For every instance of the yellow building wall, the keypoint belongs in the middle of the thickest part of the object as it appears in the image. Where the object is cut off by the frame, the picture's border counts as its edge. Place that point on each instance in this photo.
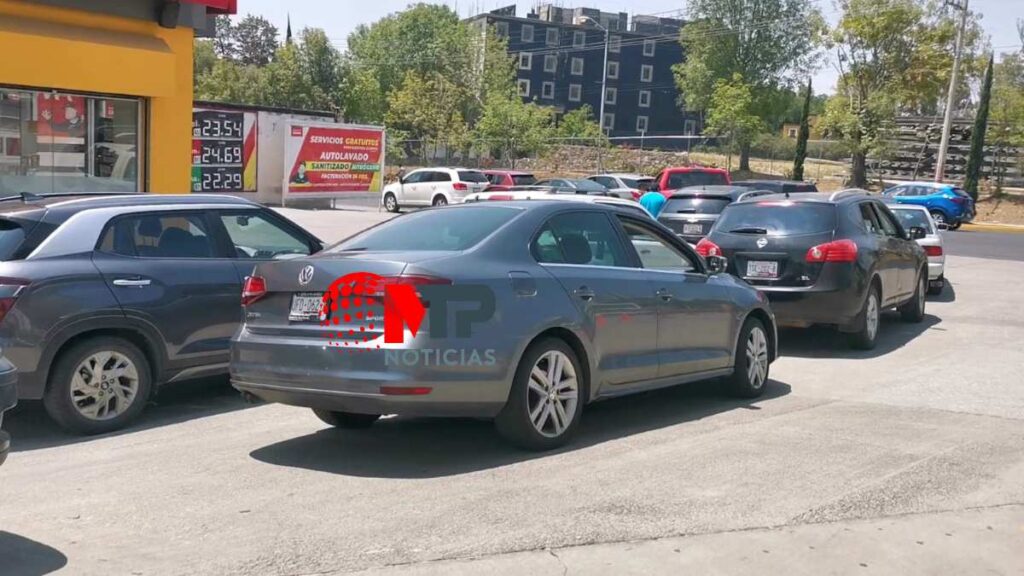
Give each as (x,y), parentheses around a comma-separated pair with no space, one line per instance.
(46,47)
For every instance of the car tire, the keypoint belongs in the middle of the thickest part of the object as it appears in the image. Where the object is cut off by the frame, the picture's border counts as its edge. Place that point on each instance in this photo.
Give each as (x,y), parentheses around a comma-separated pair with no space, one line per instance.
(70,401)
(549,404)
(938,217)
(938,287)
(439,200)
(956,225)
(346,420)
(390,203)
(869,319)
(752,362)
(913,310)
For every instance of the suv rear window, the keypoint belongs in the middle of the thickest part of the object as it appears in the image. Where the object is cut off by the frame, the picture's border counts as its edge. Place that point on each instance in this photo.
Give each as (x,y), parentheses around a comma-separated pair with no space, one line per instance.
(684,179)
(444,230)
(471,176)
(11,237)
(695,205)
(778,218)
(523,179)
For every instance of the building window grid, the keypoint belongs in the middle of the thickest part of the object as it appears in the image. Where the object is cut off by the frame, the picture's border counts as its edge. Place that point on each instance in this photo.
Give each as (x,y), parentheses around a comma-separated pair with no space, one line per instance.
(611,95)
(547,90)
(579,39)
(551,37)
(649,47)
(613,70)
(524,87)
(501,28)
(608,122)
(577,67)
(550,63)
(526,33)
(525,61)
(575,92)
(614,44)
(645,99)
(646,73)
(641,124)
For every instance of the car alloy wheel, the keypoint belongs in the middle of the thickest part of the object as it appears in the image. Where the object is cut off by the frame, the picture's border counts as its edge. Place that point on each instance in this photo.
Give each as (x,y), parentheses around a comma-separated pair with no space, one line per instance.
(871,316)
(938,217)
(390,204)
(440,201)
(104,385)
(553,391)
(757,357)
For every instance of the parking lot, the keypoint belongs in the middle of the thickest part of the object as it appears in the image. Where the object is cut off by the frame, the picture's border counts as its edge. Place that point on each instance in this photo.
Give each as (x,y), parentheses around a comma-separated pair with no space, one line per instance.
(907,456)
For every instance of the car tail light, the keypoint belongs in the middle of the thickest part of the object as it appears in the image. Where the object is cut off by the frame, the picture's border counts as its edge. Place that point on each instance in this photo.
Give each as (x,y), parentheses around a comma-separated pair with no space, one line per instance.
(460,186)
(959,200)
(837,251)
(13,287)
(405,390)
(413,280)
(500,197)
(254,288)
(708,248)
(933,250)
(636,194)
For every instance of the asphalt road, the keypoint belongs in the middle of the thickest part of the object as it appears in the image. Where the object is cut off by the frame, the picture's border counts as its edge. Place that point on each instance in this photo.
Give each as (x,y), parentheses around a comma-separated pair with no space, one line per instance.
(905,459)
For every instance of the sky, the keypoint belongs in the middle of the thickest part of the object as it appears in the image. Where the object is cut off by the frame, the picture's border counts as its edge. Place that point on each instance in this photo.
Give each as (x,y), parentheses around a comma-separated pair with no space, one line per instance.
(339,17)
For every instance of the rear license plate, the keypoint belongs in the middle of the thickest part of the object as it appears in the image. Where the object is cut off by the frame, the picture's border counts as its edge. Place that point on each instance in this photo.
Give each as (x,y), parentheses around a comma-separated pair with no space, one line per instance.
(306,306)
(762,269)
(692,228)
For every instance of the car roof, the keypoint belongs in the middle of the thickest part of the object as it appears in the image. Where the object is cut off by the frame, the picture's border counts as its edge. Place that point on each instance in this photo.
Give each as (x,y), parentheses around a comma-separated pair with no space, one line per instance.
(622,175)
(897,206)
(771,181)
(714,188)
(694,169)
(926,183)
(510,172)
(87,201)
(812,197)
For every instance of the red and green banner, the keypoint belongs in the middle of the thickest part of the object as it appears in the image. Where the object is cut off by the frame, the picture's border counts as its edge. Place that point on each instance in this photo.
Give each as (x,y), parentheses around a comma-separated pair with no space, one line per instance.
(324,160)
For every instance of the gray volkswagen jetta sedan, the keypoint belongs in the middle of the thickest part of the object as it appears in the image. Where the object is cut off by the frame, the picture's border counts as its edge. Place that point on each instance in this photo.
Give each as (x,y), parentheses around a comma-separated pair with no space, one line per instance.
(522,312)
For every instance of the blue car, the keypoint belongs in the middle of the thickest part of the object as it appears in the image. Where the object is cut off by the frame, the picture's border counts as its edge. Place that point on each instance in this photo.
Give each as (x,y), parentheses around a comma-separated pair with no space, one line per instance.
(949,205)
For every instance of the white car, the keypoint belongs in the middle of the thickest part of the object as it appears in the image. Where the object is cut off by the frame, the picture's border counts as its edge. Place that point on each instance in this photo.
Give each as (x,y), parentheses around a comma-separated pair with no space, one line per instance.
(432,187)
(540,193)
(624,185)
(910,216)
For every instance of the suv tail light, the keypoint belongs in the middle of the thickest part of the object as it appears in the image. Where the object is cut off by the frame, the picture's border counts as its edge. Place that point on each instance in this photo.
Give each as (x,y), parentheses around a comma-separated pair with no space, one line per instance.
(10,288)
(254,288)
(836,251)
(933,250)
(460,186)
(959,200)
(708,248)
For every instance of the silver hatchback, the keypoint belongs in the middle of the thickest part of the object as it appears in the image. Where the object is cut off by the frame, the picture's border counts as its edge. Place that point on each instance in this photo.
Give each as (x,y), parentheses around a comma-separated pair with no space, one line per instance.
(521,312)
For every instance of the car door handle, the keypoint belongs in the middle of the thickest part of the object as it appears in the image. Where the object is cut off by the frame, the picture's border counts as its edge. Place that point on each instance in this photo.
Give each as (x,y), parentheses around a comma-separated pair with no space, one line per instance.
(665,294)
(134,282)
(584,293)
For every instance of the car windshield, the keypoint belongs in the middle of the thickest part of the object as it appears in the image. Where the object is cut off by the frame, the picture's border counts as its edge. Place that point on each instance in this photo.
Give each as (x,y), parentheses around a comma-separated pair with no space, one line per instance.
(444,230)
(523,179)
(911,218)
(638,183)
(695,205)
(696,178)
(11,237)
(472,176)
(777,218)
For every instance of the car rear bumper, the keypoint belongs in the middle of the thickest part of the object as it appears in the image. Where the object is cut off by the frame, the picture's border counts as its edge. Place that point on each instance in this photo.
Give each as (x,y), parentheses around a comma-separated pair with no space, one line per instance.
(935,269)
(814,306)
(8,398)
(312,374)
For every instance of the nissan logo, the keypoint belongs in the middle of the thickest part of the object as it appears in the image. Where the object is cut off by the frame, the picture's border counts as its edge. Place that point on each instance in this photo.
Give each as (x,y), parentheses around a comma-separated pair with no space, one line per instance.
(306,275)
(761,243)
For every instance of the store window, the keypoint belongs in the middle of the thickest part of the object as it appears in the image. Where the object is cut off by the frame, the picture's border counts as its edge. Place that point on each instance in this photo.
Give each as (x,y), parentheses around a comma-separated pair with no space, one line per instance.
(58,142)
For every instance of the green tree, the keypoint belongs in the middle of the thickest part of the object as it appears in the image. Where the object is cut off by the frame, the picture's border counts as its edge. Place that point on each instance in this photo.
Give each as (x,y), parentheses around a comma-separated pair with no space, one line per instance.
(227,81)
(977,154)
(580,126)
(322,63)
(733,115)
(510,128)
(803,136)
(1007,112)
(255,40)
(224,38)
(769,43)
(426,107)
(286,83)
(204,56)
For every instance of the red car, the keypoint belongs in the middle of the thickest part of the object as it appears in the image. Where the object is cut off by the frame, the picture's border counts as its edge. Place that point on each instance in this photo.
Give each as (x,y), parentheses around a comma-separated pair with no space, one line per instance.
(502,180)
(671,179)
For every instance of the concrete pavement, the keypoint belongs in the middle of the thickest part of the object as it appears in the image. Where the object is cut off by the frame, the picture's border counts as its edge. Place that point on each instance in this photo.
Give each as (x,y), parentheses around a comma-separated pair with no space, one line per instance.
(921,438)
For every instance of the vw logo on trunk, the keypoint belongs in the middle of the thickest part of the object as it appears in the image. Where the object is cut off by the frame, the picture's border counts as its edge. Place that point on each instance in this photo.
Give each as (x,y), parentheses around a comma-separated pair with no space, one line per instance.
(306,275)
(761,243)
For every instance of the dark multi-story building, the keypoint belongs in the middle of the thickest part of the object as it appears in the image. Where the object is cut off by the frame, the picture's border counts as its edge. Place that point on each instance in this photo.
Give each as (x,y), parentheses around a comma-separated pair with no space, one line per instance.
(560,60)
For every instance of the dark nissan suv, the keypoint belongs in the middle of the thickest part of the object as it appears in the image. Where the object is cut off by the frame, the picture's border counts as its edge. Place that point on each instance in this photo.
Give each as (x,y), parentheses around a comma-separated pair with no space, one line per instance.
(836,259)
(104,297)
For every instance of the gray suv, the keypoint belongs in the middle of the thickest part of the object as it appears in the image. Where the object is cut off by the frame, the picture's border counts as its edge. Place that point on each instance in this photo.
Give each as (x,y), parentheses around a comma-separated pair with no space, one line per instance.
(104,297)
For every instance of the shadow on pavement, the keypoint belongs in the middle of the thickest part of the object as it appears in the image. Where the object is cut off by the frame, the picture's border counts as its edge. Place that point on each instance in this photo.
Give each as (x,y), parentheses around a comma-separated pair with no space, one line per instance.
(24,557)
(437,447)
(948,294)
(826,342)
(31,428)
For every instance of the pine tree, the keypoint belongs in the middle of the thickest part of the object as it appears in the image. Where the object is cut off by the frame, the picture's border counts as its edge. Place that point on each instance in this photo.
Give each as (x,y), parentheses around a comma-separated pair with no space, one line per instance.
(803,136)
(976,158)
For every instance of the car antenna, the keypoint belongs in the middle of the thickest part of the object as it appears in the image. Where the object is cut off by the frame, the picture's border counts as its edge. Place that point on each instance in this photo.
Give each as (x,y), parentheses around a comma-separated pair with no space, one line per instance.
(30,197)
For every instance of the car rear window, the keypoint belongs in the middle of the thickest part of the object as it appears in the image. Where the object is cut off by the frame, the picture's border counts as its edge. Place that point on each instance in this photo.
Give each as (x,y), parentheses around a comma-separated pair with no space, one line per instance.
(12,235)
(638,183)
(524,179)
(778,218)
(472,176)
(911,218)
(449,229)
(590,186)
(695,205)
(684,179)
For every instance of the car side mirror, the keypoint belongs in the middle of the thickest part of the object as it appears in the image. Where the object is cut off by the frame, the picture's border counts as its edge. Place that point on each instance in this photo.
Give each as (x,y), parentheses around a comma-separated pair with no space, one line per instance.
(716,264)
(916,233)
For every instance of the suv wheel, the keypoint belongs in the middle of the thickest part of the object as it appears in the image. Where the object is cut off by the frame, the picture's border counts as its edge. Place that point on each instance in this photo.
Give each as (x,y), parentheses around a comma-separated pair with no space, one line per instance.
(870,318)
(956,225)
(347,420)
(546,401)
(390,202)
(750,372)
(439,200)
(938,217)
(913,310)
(98,386)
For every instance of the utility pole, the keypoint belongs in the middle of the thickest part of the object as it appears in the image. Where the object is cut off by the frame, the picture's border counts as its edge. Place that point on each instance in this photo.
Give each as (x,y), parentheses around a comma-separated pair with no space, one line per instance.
(947,123)
(604,70)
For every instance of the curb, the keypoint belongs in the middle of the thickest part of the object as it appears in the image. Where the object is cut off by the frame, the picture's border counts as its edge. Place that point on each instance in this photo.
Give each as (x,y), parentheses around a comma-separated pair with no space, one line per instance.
(992,227)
